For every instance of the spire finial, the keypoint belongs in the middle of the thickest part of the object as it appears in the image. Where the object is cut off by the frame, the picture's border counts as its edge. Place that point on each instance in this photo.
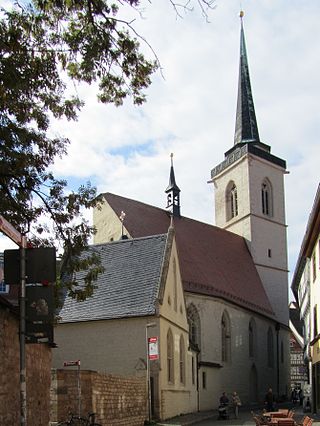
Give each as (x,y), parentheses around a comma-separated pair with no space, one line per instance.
(171,156)
(241,14)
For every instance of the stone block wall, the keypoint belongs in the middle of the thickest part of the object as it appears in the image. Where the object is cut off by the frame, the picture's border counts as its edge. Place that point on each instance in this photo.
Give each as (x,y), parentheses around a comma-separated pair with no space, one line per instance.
(116,400)
(38,367)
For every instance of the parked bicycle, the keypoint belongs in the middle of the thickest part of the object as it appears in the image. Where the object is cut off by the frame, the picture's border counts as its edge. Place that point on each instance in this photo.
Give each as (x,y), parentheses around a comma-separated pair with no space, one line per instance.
(80,421)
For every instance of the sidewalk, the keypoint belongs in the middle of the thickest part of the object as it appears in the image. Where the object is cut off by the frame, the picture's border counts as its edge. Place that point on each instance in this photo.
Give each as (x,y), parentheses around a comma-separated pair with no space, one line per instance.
(245,417)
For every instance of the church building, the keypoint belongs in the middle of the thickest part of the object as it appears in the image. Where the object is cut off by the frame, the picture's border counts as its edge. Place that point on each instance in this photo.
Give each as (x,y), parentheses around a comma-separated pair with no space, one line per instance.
(234,274)
(217,295)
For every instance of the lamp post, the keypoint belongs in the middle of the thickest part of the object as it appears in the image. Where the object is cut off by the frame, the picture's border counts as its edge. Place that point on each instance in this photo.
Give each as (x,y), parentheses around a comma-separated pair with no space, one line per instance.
(149,325)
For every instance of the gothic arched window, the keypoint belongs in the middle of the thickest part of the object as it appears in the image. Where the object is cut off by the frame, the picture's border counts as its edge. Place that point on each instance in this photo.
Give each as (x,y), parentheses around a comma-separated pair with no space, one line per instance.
(225,338)
(194,326)
(170,357)
(270,348)
(182,361)
(252,338)
(232,201)
(266,198)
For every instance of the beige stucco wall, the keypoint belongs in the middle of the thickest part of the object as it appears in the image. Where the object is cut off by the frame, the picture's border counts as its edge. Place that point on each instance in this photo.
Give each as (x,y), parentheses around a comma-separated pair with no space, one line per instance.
(107,223)
(315,298)
(176,397)
(119,346)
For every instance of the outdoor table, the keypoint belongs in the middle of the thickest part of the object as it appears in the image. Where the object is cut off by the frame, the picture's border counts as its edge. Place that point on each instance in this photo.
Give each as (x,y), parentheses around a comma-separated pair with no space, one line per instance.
(281,414)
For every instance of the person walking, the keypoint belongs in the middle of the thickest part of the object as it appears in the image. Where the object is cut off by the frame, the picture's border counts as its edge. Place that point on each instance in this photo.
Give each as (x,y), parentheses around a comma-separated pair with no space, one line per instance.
(269,400)
(236,402)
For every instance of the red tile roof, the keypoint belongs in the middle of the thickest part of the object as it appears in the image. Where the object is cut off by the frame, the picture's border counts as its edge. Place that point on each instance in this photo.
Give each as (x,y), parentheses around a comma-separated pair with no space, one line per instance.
(213,261)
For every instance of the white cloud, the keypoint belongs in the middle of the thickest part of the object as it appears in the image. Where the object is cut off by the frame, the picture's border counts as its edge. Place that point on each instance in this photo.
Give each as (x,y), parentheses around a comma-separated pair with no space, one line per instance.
(191,111)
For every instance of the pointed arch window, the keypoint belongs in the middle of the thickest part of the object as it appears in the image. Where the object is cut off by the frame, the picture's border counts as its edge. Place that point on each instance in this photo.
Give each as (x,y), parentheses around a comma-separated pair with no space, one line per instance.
(182,361)
(225,338)
(232,201)
(194,326)
(252,338)
(270,348)
(266,197)
(170,357)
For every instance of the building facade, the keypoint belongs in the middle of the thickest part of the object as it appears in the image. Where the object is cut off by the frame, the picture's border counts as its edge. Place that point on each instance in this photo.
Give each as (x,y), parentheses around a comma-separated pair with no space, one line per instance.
(305,287)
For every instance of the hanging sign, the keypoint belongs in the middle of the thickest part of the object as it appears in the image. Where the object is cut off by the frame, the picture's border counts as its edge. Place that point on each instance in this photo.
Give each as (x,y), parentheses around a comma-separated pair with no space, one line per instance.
(153,348)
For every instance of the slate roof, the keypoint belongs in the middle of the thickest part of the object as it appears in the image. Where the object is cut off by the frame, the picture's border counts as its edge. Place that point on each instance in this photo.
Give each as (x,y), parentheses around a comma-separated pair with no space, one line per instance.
(213,261)
(129,285)
(294,315)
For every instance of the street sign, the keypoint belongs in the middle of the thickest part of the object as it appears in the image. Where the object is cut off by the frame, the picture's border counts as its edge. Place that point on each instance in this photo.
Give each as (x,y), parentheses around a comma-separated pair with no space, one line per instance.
(153,348)
(10,231)
(71,363)
(40,265)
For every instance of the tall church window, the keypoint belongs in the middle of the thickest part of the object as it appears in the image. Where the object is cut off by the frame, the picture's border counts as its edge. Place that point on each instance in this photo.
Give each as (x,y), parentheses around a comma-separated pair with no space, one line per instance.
(170,357)
(225,338)
(175,285)
(182,361)
(232,201)
(194,326)
(252,338)
(266,198)
(270,348)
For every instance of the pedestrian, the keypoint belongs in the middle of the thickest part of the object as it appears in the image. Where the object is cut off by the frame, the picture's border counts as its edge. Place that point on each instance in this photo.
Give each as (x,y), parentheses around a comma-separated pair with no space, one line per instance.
(301,396)
(269,400)
(236,402)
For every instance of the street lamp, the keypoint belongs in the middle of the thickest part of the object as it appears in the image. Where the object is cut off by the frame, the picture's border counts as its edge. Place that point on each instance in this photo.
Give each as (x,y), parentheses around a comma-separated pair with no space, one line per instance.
(149,325)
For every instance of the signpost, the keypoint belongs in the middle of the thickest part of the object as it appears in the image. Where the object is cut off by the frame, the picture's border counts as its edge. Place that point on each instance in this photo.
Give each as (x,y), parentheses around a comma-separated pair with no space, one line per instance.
(10,231)
(21,240)
(73,364)
(40,303)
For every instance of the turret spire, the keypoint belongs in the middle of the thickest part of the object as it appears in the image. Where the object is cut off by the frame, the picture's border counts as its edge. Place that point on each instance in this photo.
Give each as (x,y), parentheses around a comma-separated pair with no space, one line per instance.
(173,191)
(246,124)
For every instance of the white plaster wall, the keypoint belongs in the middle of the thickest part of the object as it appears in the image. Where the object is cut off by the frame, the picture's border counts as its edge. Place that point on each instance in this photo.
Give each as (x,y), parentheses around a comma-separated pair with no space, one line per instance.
(234,375)
(262,232)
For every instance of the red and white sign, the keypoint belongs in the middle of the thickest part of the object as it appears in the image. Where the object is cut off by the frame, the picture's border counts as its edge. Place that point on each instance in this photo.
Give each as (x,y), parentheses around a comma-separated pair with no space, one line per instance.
(10,231)
(153,348)
(71,363)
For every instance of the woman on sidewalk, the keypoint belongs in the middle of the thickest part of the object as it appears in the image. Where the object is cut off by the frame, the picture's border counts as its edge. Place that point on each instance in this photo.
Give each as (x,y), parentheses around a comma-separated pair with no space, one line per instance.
(236,404)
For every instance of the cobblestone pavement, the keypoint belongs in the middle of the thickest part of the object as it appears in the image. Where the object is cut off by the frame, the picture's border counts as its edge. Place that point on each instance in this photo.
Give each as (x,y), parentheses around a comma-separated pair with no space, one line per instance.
(210,418)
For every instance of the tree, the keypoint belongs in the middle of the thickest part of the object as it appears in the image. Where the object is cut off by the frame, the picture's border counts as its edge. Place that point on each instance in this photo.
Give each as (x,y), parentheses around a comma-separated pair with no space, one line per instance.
(42,45)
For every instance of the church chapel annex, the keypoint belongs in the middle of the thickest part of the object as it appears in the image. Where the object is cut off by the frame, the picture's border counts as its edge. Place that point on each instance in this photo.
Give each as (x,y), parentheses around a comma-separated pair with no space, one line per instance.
(234,274)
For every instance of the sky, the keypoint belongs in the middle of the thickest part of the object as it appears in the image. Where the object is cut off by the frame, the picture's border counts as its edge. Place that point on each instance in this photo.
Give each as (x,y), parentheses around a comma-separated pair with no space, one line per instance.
(191,106)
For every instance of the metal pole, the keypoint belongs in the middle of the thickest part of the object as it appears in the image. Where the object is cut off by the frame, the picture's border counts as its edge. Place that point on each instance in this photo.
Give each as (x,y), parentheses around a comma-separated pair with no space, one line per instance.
(148,381)
(79,390)
(22,333)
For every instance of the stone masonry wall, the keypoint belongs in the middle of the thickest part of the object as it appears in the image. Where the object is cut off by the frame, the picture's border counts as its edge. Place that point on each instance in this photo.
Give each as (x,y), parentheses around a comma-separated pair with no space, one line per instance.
(116,400)
(38,366)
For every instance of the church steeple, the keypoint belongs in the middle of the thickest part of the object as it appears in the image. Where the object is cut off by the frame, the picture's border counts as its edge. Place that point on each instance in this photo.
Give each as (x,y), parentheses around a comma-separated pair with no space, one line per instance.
(173,193)
(246,124)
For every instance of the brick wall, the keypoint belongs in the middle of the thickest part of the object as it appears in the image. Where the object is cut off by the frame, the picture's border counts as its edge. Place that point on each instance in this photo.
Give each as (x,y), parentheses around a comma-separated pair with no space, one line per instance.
(38,366)
(116,400)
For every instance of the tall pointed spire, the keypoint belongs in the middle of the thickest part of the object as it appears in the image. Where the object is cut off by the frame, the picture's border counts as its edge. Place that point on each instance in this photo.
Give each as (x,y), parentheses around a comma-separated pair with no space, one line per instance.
(173,191)
(246,124)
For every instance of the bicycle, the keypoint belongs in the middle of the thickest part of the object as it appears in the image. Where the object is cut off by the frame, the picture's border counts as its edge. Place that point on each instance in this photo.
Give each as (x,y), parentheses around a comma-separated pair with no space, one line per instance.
(80,421)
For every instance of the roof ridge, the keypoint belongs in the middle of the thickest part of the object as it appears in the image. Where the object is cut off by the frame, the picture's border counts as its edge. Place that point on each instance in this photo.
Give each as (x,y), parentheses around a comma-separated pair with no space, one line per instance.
(217,228)
(128,240)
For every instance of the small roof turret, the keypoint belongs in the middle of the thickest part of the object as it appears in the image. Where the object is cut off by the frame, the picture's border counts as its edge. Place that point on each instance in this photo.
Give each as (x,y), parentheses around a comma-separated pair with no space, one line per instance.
(173,193)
